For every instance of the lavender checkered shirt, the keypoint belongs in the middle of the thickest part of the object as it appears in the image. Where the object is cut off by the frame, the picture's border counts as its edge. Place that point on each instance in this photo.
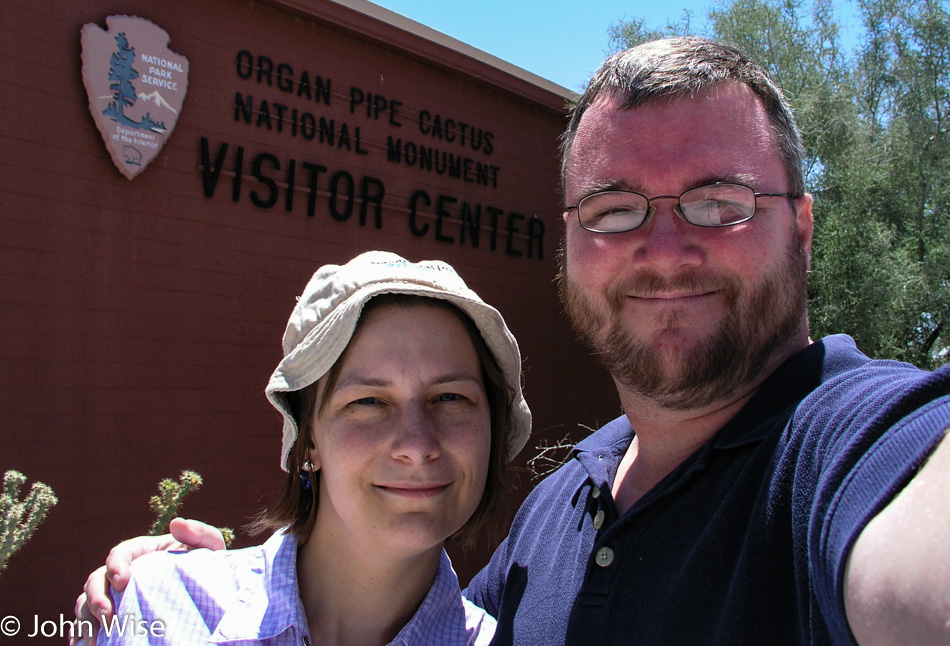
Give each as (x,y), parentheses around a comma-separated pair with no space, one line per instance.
(250,596)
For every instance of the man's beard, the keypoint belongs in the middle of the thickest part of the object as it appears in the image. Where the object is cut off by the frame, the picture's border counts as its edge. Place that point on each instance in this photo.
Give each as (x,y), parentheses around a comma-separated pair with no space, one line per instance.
(758,326)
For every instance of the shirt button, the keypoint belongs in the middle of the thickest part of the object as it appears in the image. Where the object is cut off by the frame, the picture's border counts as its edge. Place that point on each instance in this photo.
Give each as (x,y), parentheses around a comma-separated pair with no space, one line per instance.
(605,556)
(599,519)
(594,492)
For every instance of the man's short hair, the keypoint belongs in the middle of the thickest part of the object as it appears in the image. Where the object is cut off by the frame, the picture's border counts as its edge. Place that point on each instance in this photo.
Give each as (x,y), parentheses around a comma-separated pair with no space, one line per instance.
(685,66)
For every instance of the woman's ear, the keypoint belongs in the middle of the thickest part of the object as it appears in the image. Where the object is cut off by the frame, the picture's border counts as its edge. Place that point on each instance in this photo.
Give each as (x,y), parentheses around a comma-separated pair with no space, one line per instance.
(312,453)
(314,462)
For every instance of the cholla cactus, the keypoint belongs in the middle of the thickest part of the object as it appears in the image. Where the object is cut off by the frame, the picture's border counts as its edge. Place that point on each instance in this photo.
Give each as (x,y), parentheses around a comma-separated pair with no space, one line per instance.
(172,493)
(227,534)
(18,520)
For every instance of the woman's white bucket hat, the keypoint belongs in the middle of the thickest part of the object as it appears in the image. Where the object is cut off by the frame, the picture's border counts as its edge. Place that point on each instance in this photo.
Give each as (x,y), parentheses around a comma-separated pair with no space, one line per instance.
(327,312)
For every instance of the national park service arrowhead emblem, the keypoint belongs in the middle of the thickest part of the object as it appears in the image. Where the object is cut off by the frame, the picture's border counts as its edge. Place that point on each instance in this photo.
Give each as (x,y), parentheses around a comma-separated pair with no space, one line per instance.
(136,88)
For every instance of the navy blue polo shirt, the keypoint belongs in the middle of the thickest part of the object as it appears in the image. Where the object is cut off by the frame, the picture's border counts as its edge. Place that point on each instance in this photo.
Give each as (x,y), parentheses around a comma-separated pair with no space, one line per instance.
(746,541)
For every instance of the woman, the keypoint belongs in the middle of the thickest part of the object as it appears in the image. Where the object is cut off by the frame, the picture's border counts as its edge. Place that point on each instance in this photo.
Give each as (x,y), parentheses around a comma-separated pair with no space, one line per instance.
(401,399)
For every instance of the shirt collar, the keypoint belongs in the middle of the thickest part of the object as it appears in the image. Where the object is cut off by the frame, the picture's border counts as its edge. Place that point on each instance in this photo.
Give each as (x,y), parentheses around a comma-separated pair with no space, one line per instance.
(441,617)
(785,389)
(601,452)
(268,601)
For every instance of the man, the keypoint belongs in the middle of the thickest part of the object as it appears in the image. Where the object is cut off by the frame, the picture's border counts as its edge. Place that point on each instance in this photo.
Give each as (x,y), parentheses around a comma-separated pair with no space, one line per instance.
(759,488)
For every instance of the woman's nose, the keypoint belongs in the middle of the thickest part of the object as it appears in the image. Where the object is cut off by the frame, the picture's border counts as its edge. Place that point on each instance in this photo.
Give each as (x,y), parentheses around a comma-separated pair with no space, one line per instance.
(416,437)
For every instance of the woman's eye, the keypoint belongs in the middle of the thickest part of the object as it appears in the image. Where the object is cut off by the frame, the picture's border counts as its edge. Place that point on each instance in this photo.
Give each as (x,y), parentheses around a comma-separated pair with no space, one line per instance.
(449,397)
(365,401)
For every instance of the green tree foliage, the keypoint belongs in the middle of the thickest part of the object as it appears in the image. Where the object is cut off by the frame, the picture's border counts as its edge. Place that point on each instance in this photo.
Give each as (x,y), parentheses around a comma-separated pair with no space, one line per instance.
(876,127)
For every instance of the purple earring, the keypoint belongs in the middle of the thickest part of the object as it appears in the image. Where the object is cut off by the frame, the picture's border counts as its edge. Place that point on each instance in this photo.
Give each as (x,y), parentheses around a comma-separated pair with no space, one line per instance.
(305,472)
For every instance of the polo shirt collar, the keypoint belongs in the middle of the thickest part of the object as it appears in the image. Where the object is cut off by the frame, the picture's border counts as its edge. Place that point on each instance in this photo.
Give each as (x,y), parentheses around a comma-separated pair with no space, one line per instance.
(801,374)
(784,390)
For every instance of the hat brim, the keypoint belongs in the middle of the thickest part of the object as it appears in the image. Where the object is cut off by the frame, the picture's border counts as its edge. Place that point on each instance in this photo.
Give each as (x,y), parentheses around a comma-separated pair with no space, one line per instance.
(323,345)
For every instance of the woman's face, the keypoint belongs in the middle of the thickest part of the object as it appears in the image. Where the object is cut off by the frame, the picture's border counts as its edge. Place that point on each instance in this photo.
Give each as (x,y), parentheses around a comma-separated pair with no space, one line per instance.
(403,439)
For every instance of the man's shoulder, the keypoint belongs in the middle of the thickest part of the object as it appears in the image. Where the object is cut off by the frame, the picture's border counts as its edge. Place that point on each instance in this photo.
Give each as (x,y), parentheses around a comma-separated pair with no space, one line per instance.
(832,372)
(862,408)
(848,373)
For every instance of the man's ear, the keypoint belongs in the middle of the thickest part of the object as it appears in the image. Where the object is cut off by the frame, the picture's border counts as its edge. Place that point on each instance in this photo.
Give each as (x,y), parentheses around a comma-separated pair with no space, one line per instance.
(805,223)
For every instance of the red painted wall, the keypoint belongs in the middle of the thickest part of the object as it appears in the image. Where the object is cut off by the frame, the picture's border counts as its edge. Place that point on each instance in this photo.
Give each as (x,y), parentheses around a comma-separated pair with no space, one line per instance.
(139,320)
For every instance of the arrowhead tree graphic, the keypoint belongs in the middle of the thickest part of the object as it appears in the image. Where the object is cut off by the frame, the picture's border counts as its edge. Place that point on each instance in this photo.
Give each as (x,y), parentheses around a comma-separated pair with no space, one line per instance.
(136,88)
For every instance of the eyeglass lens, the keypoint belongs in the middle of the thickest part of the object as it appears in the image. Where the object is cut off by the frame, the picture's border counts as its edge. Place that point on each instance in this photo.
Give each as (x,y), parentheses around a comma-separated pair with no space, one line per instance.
(713,205)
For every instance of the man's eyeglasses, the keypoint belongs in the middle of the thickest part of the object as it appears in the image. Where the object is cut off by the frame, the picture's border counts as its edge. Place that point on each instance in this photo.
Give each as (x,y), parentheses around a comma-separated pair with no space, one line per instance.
(712,205)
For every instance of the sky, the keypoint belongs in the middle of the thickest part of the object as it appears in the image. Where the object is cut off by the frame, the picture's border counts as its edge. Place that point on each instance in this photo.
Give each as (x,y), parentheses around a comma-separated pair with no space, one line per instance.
(563,41)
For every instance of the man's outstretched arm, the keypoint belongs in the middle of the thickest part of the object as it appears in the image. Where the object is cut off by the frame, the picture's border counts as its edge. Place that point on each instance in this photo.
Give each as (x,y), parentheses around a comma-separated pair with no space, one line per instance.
(897,582)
